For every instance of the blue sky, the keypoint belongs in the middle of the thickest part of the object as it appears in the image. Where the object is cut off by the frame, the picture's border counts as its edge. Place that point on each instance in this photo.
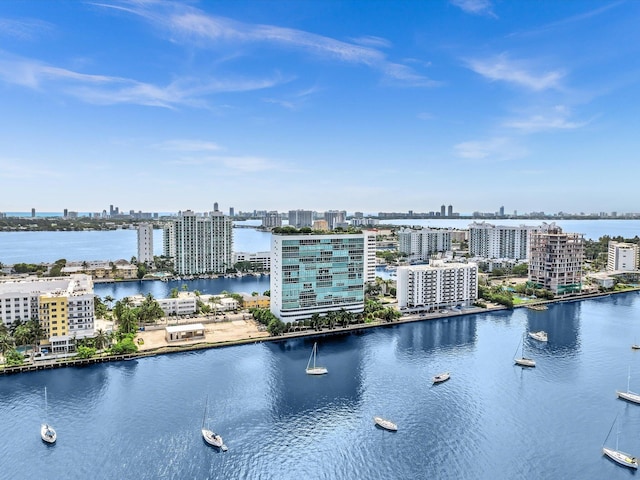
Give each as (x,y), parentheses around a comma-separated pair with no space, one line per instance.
(358,105)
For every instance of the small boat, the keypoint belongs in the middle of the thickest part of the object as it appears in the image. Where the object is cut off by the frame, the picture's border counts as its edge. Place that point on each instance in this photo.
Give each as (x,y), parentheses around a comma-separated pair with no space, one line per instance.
(312,368)
(541,336)
(621,458)
(522,360)
(635,346)
(629,395)
(47,432)
(442,377)
(386,424)
(209,436)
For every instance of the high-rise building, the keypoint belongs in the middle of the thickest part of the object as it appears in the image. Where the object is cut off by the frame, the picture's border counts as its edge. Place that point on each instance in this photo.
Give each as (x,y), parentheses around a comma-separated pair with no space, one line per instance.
(442,210)
(555,261)
(65,213)
(145,243)
(501,241)
(421,244)
(370,256)
(316,274)
(438,285)
(63,306)
(33,213)
(501,212)
(231,212)
(200,243)
(450,211)
(622,257)
(215,207)
(271,220)
(300,218)
(335,218)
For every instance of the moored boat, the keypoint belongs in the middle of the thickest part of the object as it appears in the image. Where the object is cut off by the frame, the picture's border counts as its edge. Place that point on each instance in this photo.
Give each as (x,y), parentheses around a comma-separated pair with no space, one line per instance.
(522,360)
(386,424)
(442,377)
(541,336)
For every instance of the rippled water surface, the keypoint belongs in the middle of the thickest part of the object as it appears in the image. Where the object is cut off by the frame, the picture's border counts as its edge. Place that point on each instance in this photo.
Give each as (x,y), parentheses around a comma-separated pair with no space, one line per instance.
(142,419)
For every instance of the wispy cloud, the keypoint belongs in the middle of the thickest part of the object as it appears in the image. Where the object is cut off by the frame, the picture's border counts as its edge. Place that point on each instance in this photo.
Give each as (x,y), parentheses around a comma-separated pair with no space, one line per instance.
(496,149)
(108,90)
(231,164)
(183,145)
(475,7)
(372,41)
(557,119)
(23,29)
(194,25)
(295,100)
(520,73)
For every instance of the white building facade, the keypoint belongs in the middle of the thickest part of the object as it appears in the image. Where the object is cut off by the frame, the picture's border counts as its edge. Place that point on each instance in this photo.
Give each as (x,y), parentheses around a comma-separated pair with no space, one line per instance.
(622,257)
(316,274)
(200,243)
(64,306)
(145,243)
(370,256)
(436,286)
(500,241)
(260,260)
(421,244)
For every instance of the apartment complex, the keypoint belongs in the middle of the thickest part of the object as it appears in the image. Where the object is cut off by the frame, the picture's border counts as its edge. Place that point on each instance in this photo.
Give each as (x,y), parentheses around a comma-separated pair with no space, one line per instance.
(300,218)
(555,261)
(500,241)
(437,285)
(259,260)
(317,274)
(200,243)
(271,220)
(421,244)
(622,257)
(145,243)
(370,256)
(63,306)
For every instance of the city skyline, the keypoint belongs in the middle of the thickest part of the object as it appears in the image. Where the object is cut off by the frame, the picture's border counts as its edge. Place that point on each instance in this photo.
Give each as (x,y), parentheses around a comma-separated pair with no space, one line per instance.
(168,106)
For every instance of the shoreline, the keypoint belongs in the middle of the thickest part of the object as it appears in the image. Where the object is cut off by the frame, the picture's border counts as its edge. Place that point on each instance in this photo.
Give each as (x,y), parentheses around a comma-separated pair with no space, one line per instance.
(169,349)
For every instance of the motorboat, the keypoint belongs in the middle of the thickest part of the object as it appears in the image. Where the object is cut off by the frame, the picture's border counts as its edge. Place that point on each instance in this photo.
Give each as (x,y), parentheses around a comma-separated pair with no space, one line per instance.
(541,336)
(442,377)
(386,424)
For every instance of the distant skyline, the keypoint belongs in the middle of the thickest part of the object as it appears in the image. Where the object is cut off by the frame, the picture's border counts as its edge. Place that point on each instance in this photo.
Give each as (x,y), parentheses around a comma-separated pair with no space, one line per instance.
(327,105)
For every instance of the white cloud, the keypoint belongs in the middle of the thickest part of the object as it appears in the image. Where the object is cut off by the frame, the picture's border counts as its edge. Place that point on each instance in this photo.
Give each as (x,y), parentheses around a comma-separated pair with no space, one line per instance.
(187,146)
(507,70)
(475,7)
(557,119)
(196,26)
(372,41)
(107,90)
(496,149)
(23,29)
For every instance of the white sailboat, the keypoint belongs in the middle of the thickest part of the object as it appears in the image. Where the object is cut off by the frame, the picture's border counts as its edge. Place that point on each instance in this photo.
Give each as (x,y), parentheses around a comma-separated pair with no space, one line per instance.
(209,436)
(386,424)
(622,458)
(629,395)
(522,360)
(47,432)
(312,368)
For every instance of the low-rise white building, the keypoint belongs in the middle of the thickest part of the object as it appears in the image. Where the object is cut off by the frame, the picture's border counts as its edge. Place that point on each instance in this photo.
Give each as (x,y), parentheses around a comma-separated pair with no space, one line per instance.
(64,306)
(622,257)
(436,286)
(260,260)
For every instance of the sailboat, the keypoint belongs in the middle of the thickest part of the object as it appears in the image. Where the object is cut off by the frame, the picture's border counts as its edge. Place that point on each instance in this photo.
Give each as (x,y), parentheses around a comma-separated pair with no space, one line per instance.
(522,360)
(313,369)
(616,455)
(629,395)
(47,433)
(209,436)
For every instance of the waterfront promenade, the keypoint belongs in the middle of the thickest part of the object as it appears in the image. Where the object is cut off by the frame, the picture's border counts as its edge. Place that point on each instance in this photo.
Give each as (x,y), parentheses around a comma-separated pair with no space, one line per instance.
(240,329)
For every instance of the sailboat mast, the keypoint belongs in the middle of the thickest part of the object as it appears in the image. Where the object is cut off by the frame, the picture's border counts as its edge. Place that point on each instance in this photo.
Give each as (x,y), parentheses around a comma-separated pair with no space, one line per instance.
(628,379)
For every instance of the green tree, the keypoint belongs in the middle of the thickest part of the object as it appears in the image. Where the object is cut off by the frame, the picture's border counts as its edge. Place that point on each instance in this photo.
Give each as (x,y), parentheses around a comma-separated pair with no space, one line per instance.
(85,352)
(101,339)
(174,293)
(6,343)
(13,358)
(149,310)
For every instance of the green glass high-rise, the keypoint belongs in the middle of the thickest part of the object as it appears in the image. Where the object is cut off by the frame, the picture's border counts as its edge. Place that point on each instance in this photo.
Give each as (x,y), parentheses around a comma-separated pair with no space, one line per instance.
(316,274)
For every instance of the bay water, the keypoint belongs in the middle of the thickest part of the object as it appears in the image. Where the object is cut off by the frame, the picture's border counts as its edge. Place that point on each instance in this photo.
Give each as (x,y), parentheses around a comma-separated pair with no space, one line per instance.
(492,420)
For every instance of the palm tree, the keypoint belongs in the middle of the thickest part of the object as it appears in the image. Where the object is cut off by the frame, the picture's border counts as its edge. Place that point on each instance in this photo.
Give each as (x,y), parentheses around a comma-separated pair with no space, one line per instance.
(22,335)
(6,343)
(37,332)
(101,339)
(109,300)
